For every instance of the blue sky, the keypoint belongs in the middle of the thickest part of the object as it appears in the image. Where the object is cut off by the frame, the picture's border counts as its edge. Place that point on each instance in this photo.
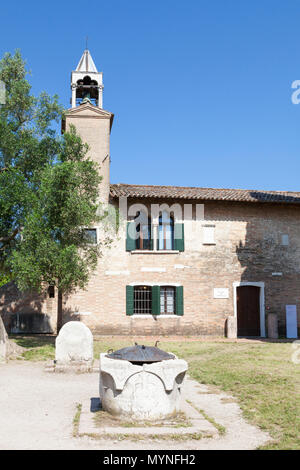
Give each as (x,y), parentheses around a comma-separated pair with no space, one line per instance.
(200,89)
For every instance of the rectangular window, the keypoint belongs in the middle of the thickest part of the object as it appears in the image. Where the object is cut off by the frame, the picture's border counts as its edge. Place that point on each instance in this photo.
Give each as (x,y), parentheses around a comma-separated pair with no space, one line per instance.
(143,242)
(142,300)
(167,300)
(51,292)
(91,235)
(154,300)
(166,232)
(165,237)
(141,235)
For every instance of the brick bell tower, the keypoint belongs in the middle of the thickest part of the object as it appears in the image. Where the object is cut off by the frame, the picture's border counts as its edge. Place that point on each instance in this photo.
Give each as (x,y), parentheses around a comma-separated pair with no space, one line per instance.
(91,121)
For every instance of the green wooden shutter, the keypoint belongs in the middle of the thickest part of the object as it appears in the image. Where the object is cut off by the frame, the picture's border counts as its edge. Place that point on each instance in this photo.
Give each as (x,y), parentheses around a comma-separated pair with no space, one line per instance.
(130,242)
(155,300)
(129,300)
(179,237)
(179,300)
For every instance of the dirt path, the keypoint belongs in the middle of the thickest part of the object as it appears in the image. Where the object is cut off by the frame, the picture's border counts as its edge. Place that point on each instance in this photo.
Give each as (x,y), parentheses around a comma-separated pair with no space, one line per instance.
(37,411)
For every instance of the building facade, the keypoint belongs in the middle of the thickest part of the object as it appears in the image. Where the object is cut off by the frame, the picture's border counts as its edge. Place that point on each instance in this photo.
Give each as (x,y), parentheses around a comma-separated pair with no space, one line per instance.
(182,260)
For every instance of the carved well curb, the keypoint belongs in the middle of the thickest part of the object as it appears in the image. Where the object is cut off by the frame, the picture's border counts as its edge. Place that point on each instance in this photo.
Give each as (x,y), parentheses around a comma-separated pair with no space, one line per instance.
(141,392)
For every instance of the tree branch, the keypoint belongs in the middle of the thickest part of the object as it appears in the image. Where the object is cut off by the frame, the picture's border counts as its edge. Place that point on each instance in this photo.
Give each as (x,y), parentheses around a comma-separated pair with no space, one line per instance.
(10,237)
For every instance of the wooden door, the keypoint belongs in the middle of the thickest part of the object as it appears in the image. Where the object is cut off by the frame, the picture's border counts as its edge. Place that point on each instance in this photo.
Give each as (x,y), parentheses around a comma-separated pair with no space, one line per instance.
(248,311)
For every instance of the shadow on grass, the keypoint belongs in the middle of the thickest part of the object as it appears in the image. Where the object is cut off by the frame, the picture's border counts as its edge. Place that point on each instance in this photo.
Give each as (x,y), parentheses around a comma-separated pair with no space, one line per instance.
(260,339)
(36,341)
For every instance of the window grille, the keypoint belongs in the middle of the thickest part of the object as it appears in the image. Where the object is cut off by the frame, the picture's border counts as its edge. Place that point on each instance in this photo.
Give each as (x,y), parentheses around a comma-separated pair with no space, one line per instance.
(167,300)
(142,300)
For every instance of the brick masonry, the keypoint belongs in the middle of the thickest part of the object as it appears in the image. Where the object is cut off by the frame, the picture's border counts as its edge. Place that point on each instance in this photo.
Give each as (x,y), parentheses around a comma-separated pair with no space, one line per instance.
(248,248)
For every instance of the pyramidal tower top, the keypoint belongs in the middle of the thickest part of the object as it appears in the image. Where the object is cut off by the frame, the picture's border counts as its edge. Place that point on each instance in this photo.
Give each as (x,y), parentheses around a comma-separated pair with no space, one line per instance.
(87,82)
(86,63)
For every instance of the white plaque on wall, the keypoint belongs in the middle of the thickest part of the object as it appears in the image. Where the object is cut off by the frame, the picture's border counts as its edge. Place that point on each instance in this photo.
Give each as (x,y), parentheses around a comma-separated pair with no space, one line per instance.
(221,293)
(291,321)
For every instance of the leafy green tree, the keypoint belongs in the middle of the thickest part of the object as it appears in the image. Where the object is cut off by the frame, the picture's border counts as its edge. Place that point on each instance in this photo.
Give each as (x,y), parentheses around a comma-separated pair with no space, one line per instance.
(4,279)
(48,192)
(28,142)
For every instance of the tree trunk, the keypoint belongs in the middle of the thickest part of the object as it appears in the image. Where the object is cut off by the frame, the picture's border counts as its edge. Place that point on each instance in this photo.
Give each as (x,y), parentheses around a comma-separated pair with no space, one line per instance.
(4,343)
(59,310)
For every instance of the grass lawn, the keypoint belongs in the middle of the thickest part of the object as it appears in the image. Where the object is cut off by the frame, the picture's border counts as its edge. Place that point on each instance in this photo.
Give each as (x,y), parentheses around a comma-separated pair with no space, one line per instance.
(260,375)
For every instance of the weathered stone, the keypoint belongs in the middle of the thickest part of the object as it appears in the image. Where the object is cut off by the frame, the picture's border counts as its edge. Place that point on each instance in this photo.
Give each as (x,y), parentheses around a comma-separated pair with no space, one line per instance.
(4,344)
(231,327)
(74,344)
(141,392)
(273,325)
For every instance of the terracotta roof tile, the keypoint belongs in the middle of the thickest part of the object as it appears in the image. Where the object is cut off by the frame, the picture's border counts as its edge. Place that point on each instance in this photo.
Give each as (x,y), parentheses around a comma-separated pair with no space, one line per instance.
(208,194)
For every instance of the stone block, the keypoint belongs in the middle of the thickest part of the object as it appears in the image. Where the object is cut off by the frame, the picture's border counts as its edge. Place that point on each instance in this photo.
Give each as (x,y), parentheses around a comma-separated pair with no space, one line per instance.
(273,325)
(231,327)
(74,344)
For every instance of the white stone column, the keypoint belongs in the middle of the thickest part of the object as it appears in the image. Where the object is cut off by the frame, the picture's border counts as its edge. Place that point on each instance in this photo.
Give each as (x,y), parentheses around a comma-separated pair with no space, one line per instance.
(155,236)
(155,223)
(100,96)
(73,96)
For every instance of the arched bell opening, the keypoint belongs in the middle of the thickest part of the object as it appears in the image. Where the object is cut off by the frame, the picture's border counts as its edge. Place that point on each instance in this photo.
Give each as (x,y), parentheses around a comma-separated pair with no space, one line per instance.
(88,90)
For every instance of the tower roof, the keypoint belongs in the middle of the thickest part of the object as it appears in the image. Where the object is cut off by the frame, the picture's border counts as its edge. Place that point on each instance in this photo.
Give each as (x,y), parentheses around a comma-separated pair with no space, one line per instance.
(86,63)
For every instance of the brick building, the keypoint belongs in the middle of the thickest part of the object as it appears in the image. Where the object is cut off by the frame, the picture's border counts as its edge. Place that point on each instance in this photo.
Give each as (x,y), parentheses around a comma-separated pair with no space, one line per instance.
(182,259)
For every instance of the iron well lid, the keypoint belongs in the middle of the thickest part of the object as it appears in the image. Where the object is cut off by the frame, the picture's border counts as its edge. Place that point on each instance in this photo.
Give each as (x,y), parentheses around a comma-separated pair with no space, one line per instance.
(140,353)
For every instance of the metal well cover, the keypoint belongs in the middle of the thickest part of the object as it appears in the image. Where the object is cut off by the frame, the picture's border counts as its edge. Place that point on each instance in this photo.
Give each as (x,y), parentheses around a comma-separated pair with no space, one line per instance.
(141,353)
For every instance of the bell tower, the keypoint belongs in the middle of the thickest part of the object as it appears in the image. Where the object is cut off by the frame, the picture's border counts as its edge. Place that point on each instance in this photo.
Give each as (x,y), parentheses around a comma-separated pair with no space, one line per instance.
(91,121)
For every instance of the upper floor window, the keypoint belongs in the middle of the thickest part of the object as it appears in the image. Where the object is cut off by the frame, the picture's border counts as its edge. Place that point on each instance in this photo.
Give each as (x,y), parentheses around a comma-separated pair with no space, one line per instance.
(91,235)
(143,234)
(143,231)
(166,232)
